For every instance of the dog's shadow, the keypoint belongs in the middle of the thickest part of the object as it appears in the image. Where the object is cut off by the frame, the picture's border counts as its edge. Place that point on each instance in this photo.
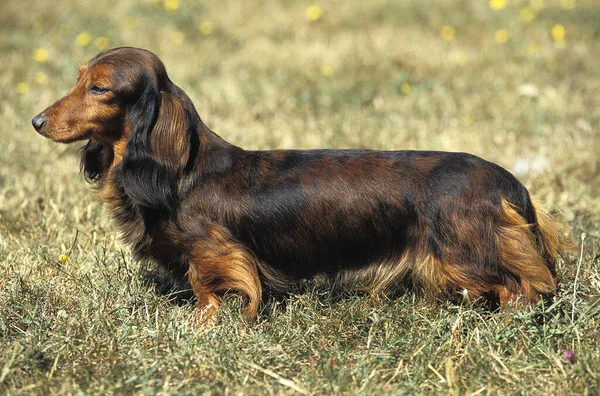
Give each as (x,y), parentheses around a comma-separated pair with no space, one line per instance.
(179,292)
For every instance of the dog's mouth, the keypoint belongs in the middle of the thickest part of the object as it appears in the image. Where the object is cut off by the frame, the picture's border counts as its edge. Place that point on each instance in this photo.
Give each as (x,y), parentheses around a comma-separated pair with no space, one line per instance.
(65,137)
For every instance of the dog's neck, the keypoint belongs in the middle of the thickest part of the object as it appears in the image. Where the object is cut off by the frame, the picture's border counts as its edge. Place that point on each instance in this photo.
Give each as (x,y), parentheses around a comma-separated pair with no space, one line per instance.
(114,149)
(118,151)
(207,144)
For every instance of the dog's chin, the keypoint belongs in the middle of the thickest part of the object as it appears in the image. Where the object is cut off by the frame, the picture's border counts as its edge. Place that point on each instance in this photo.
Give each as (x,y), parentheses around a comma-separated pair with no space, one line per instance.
(66,139)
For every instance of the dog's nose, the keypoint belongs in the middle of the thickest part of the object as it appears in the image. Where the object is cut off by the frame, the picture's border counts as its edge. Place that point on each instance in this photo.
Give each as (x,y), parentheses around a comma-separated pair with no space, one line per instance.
(38,122)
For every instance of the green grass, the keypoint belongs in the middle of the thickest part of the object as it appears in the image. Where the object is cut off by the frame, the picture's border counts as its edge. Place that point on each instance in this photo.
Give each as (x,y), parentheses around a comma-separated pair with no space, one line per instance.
(94,324)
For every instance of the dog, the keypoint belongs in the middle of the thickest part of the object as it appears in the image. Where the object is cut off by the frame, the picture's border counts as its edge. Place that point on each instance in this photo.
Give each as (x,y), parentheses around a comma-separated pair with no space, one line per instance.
(227,219)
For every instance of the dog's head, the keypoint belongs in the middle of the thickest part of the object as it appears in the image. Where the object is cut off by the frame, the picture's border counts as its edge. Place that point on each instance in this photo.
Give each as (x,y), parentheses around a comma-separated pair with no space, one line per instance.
(116,84)
(134,118)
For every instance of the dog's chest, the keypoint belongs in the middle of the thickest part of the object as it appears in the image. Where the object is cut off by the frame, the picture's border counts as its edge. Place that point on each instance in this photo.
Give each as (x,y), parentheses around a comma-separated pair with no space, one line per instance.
(146,240)
(127,215)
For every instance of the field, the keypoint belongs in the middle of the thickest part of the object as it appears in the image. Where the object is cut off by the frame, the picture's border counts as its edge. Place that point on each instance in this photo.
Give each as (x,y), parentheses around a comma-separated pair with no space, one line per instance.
(516,82)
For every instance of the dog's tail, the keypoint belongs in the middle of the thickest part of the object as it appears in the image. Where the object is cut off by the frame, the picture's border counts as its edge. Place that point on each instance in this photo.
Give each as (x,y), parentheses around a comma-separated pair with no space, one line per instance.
(530,251)
(552,236)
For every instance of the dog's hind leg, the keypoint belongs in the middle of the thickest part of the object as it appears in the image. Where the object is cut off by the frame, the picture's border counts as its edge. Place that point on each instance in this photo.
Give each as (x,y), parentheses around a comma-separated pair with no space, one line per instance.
(490,251)
(217,264)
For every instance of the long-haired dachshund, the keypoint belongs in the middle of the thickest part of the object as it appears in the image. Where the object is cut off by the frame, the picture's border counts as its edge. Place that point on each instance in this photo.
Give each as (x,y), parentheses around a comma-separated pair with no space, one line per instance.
(224,218)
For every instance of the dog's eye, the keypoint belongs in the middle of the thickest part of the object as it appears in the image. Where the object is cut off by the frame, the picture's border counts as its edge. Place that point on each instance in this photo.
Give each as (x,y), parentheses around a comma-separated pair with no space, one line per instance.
(98,90)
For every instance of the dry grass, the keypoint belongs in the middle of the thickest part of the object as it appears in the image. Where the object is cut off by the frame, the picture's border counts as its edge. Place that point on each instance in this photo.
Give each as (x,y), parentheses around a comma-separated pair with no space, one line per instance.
(374,74)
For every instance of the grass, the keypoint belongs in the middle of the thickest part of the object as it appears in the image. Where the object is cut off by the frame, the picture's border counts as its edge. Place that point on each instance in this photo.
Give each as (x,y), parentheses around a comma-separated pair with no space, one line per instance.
(418,74)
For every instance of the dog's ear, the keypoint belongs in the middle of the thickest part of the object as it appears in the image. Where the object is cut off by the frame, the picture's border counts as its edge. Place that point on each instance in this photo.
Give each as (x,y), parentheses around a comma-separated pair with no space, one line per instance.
(92,161)
(149,170)
(170,140)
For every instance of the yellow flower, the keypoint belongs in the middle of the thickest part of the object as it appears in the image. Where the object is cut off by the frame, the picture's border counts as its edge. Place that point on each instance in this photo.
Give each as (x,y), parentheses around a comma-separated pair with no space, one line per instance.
(558,32)
(101,42)
(469,119)
(536,4)
(313,12)
(497,4)
(326,70)
(63,258)
(207,27)
(501,36)
(405,88)
(177,37)
(41,78)
(171,5)
(83,39)
(40,55)
(448,32)
(22,88)
(526,15)
(568,4)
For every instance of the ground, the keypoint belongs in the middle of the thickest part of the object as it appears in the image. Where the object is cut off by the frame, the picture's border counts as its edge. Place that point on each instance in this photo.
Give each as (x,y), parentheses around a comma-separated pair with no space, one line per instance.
(515,82)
